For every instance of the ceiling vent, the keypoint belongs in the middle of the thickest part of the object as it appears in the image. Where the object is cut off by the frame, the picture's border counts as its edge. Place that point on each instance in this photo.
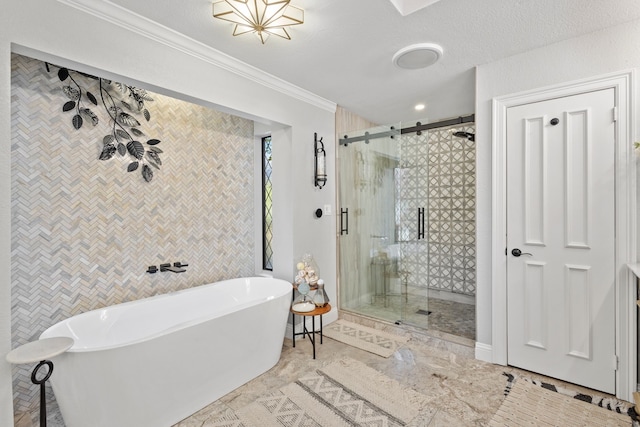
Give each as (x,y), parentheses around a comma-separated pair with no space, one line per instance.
(417,56)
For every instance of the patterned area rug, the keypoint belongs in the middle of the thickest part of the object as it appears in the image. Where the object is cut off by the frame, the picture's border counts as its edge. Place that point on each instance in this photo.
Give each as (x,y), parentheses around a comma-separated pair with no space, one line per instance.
(345,393)
(372,340)
(530,403)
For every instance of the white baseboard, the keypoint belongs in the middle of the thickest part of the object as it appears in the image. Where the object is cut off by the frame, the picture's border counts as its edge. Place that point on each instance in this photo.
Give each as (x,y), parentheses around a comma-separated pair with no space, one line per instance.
(484,352)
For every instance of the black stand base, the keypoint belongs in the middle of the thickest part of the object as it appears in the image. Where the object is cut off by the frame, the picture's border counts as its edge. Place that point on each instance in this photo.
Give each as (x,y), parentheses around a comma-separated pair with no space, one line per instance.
(41,382)
(305,332)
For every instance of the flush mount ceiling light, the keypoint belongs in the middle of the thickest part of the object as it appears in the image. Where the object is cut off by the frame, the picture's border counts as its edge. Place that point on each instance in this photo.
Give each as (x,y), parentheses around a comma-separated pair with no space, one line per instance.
(417,56)
(261,17)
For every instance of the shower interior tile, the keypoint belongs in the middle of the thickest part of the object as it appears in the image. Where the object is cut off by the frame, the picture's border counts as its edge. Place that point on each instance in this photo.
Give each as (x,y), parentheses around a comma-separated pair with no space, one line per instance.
(457,215)
(470,275)
(469,215)
(457,156)
(470,192)
(458,250)
(458,286)
(457,192)
(469,262)
(457,227)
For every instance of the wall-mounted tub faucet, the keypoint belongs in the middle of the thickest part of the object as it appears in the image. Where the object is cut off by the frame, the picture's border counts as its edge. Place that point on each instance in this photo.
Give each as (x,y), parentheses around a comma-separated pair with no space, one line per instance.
(174,268)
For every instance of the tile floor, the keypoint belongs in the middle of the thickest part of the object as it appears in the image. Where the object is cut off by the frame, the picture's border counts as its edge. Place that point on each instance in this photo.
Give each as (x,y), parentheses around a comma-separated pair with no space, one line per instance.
(462,391)
(451,317)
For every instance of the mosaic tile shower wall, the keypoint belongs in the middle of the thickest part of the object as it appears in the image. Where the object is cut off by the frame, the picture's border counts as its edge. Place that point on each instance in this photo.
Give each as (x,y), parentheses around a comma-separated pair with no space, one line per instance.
(85,230)
(447,189)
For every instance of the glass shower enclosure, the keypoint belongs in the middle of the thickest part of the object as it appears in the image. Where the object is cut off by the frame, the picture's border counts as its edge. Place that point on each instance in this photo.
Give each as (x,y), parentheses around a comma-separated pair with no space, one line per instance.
(383,220)
(407,224)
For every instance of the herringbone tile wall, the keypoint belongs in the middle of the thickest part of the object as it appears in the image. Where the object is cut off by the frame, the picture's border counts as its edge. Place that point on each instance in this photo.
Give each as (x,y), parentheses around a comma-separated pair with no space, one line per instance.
(85,230)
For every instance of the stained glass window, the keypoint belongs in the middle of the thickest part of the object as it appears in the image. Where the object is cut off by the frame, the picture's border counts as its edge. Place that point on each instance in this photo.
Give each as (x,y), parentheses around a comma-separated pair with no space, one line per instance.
(267,206)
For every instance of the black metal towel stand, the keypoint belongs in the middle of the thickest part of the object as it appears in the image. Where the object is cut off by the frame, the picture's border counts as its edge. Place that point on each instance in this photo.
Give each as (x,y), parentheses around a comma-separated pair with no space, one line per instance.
(41,382)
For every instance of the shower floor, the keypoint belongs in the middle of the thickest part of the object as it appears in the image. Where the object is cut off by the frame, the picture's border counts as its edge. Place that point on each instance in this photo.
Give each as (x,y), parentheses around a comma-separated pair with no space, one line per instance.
(451,317)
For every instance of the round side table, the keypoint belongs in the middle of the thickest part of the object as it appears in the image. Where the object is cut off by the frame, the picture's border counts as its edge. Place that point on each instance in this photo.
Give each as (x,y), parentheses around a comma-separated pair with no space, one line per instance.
(305,332)
(40,351)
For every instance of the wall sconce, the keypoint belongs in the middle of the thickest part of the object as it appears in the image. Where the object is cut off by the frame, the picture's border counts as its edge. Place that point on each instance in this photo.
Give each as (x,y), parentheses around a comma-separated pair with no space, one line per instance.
(320,160)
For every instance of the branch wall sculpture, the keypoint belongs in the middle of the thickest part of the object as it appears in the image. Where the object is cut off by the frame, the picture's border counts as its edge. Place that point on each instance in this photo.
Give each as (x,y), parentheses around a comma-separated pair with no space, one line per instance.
(124,127)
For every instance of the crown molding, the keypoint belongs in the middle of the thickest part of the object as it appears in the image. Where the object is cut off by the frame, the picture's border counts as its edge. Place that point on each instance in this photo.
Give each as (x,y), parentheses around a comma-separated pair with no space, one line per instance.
(117,15)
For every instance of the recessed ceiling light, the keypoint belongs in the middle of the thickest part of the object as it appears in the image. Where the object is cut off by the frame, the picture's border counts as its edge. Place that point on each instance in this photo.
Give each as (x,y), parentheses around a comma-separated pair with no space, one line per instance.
(419,107)
(417,56)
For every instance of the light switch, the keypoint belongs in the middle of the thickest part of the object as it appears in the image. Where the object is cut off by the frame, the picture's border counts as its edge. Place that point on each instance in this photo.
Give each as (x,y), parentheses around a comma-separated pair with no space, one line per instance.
(327,210)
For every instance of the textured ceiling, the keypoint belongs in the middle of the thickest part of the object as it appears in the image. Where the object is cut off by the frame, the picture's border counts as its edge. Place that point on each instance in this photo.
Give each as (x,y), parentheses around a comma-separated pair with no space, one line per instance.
(343,50)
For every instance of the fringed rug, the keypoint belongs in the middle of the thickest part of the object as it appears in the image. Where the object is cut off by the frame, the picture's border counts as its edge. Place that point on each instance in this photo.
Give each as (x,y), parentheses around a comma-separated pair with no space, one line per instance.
(533,403)
(372,340)
(345,393)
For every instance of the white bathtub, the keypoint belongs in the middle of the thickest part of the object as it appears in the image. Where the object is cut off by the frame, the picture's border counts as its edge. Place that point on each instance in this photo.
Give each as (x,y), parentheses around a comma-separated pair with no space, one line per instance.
(155,361)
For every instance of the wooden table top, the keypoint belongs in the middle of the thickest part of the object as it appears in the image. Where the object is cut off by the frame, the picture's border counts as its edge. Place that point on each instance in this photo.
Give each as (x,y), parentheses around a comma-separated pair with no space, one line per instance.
(317,312)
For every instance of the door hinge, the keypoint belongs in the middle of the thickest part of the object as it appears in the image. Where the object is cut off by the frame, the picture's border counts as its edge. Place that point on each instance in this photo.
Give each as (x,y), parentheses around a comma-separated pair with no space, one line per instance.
(616,361)
(615,114)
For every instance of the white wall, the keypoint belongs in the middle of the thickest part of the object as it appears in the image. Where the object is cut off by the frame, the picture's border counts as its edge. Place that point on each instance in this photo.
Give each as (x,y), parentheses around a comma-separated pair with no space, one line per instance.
(598,53)
(79,38)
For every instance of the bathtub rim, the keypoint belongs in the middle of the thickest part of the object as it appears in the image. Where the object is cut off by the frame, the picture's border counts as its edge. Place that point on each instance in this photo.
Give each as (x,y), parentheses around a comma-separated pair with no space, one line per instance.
(48,333)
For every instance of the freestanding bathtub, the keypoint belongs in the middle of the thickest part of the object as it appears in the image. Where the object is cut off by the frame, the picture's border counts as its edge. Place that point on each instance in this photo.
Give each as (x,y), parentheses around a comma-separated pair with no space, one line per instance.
(155,361)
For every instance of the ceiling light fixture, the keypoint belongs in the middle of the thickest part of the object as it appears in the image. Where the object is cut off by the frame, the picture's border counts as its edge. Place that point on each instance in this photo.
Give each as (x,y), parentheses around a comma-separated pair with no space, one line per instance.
(417,56)
(262,17)
(419,107)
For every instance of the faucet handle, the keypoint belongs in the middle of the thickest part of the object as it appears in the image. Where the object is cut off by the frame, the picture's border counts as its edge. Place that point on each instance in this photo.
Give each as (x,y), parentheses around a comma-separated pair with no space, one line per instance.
(152,269)
(179,264)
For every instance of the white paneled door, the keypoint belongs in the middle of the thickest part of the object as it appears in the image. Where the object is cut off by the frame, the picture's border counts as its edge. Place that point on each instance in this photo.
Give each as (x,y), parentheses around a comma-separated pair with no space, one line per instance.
(561,238)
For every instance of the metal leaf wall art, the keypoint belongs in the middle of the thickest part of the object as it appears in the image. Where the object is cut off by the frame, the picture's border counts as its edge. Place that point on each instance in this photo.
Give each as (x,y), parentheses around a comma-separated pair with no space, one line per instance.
(125,107)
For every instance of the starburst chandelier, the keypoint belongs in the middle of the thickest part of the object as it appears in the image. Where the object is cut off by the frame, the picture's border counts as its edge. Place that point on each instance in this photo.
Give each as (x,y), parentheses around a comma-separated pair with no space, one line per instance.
(262,17)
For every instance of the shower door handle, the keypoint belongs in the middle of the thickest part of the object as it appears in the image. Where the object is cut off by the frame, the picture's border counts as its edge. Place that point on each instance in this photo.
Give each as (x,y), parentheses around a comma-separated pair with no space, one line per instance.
(344,221)
(420,223)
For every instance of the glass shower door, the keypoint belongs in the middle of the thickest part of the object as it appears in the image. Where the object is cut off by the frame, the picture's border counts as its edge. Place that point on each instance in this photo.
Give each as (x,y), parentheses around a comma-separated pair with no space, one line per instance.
(382,228)
(412,214)
(367,223)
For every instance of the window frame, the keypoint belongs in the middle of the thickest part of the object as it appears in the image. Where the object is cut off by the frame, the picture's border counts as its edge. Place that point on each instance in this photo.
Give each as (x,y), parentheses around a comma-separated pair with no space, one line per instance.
(267,245)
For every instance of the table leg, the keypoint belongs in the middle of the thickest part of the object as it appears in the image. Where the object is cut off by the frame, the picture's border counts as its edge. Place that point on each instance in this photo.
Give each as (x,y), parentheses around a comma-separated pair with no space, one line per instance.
(313,331)
(293,328)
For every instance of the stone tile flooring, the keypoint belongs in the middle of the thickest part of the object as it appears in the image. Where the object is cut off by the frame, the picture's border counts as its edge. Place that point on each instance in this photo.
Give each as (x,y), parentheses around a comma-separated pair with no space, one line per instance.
(462,391)
(451,317)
